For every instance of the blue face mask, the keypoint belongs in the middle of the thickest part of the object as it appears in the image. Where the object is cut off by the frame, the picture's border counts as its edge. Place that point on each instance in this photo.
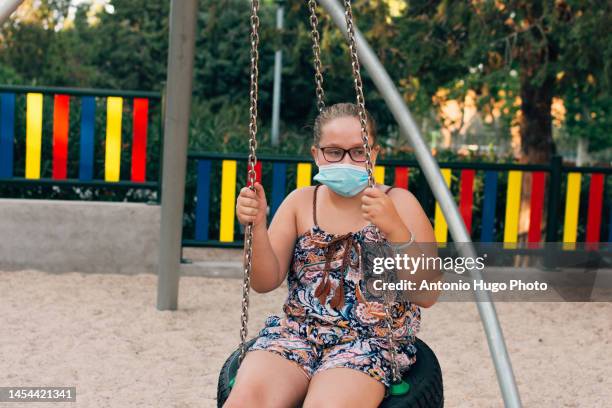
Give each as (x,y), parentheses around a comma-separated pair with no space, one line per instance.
(347,180)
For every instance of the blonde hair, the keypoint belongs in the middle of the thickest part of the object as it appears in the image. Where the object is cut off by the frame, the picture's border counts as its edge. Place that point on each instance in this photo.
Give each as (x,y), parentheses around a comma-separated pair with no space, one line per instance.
(341,110)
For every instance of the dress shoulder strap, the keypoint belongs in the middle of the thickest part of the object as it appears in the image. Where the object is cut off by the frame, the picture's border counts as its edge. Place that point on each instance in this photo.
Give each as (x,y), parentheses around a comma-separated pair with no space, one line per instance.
(389,189)
(314,205)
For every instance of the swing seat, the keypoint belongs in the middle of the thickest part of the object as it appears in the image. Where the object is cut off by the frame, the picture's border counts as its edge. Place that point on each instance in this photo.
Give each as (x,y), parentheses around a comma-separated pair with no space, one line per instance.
(424,379)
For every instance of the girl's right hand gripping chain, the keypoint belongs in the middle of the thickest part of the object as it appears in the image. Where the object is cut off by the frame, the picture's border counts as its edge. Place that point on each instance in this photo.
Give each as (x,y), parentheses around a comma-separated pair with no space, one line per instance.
(251,206)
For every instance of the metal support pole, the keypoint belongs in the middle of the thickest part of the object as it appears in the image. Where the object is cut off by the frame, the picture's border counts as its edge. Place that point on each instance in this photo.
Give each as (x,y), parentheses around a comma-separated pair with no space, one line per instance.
(278,66)
(409,128)
(7,7)
(177,109)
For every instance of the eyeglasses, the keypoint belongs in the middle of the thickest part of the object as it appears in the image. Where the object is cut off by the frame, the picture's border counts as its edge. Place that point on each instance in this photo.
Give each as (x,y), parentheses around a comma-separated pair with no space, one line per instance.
(336,154)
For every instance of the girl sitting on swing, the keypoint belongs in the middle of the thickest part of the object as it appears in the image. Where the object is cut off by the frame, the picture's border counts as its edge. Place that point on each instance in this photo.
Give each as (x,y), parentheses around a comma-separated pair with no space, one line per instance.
(330,348)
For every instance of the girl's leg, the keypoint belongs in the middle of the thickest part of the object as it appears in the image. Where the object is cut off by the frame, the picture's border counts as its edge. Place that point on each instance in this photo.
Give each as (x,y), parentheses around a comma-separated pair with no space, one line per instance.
(266,379)
(344,387)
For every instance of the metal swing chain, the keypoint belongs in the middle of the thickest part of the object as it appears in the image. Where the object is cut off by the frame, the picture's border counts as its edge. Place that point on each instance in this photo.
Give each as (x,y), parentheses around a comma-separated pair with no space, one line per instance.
(252,161)
(364,134)
(348,14)
(316,50)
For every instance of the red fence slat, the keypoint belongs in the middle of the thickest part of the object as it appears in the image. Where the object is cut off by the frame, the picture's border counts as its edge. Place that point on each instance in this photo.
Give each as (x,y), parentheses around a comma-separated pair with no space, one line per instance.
(467,196)
(139,139)
(595,205)
(401,177)
(61,112)
(538,180)
(257,173)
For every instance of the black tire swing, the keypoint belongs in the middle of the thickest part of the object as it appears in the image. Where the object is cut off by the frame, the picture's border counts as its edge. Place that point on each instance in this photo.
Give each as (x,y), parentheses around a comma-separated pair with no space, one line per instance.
(421,385)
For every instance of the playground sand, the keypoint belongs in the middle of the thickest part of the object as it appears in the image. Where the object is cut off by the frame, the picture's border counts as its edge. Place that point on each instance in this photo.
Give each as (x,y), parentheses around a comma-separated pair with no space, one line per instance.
(104,335)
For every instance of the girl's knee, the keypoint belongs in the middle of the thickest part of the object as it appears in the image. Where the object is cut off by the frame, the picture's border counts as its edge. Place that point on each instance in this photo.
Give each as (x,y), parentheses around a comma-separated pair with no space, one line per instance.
(313,402)
(318,400)
(245,397)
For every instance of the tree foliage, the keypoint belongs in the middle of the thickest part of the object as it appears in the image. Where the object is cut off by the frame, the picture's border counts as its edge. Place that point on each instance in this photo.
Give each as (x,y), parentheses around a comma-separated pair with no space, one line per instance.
(434,50)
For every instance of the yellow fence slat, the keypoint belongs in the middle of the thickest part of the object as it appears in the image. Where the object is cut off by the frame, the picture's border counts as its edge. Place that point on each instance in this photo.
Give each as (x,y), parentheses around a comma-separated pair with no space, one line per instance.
(440,226)
(379,174)
(513,205)
(304,171)
(112,162)
(34,113)
(572,205)
(228,200)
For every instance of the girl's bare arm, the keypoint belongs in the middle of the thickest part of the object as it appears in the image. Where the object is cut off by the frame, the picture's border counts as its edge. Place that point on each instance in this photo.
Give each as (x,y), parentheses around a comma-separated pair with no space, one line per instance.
(415,220)
(273,246)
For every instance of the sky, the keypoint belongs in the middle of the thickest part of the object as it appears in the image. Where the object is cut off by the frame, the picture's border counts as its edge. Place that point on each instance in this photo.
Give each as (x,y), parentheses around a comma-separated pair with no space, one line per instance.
(96,3)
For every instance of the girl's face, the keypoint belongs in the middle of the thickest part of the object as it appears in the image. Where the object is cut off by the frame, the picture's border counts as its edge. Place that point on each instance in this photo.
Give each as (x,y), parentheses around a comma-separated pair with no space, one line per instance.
(342,133)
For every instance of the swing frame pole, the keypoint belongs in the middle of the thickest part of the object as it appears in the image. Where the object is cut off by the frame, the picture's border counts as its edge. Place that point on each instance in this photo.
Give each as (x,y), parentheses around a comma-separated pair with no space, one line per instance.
(7,7)
(410,130)
(177,109)
(278,66)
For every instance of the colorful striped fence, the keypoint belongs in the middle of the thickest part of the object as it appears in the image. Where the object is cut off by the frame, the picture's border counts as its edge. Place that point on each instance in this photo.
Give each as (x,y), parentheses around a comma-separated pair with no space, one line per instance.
(466,175)
(63,99)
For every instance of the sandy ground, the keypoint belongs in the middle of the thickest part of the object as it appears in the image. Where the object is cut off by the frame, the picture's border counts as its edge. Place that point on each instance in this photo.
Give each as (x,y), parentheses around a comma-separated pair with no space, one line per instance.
(104,335)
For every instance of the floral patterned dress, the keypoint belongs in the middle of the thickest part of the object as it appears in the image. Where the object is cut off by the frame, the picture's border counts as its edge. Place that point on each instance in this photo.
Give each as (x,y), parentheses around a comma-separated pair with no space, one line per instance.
(327,321)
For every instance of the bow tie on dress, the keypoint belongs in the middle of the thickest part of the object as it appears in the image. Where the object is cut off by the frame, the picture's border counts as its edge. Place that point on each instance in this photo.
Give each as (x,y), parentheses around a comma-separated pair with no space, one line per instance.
(347,241)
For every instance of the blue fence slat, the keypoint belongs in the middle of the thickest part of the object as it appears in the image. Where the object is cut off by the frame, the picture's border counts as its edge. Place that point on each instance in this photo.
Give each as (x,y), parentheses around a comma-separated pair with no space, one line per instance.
(7,133)
(88,117)
(488,206)
(610,225)
(202,200)
(279,184)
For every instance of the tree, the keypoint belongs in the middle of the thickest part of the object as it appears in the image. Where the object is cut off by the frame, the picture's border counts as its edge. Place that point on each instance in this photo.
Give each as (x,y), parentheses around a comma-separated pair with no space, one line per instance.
(554,46)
